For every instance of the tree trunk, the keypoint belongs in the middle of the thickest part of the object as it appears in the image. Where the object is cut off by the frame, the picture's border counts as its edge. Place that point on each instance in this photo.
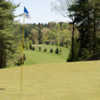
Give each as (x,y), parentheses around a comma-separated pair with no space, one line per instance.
(72,47)
(94,33)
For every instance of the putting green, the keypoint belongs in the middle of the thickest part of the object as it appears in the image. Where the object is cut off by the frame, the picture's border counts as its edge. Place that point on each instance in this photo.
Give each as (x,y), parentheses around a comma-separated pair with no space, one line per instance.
(64,81)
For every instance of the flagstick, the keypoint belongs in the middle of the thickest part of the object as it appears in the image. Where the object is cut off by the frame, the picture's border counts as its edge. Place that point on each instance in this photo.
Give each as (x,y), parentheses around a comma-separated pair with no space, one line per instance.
(21,74)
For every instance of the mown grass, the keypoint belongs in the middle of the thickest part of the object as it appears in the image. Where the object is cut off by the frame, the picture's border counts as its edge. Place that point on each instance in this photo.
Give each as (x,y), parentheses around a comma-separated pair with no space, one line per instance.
(41,57)
(60,81)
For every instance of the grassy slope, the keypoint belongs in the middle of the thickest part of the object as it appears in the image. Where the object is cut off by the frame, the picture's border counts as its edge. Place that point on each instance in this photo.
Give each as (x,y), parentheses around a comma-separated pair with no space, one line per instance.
(63,81)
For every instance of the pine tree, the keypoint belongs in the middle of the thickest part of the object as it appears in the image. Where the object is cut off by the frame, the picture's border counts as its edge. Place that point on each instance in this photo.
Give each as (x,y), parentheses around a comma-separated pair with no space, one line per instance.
(7,39)
(39,34)
(85,19)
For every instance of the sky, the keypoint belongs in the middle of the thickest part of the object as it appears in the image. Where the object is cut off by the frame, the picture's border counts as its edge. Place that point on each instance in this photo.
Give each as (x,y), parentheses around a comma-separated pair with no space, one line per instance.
(40,11)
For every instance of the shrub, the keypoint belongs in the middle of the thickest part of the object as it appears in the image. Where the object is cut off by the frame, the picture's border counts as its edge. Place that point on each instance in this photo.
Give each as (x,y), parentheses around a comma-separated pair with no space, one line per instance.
(47,42)
(51,50)
(40,49)
(33,48)
(45,50)
(21,60)
(57,51)
(30,47)
(61,44)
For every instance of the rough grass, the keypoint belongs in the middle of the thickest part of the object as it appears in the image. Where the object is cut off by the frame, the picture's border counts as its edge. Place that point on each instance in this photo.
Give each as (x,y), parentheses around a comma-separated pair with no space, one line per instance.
(63,81)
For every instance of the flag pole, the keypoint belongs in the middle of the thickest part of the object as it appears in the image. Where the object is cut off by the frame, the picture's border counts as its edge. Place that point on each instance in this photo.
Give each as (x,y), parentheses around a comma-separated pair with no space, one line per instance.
(21,73)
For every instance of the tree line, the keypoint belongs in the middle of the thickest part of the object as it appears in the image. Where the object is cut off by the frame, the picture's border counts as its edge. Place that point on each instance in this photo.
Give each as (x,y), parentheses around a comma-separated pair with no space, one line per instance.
(85,16)
(50,34)
(81,35)
(8,44)
(11,35)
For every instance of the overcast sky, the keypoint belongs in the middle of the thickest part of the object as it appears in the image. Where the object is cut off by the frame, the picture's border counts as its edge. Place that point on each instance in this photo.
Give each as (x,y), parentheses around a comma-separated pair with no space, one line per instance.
(39,10)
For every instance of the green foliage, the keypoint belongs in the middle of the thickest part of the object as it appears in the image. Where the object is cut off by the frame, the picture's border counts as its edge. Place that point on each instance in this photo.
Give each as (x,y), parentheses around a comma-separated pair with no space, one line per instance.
(40,49)
(57,51)
(45,50)
(85,16)
(51,50)
(51,33)
(7,38)
(76,51)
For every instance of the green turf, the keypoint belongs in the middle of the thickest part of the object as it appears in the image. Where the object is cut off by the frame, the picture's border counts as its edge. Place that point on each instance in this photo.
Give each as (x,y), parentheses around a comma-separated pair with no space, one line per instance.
(36,57)
(63,81)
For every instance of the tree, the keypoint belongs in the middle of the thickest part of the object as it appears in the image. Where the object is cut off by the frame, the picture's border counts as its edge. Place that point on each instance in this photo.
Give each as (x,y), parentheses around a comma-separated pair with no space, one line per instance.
(7,38)
(39,34)
(34,36)
(45,32)
(96,17)
(62,7)
(85,13)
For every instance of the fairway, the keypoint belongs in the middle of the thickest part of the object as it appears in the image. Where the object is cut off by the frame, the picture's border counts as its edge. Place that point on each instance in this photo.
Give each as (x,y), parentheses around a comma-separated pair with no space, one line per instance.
(46,56)
(63,81)
(36,57)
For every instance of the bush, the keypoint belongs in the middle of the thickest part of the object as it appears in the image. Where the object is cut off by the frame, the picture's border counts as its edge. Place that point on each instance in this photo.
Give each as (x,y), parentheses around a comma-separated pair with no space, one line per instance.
(57,51)
(33,48)
(45,50)
(61,44)
(30,46)
(94,57)
(51,50)
(47,42)
(40,49)
(21,60)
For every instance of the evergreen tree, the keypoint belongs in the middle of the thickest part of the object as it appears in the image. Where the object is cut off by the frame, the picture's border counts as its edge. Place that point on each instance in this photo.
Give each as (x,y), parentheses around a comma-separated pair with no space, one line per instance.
(85,19)
(7,39)
(39,34)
